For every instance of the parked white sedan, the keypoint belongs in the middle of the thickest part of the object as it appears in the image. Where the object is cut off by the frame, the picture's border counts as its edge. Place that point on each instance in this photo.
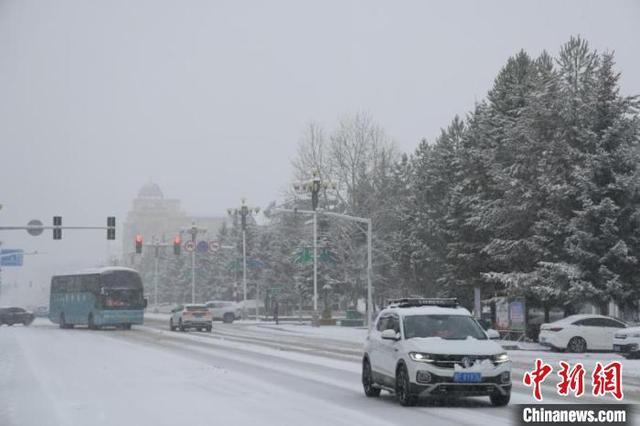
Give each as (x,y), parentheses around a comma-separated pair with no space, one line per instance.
(580,333)
(627,342)
(224,310)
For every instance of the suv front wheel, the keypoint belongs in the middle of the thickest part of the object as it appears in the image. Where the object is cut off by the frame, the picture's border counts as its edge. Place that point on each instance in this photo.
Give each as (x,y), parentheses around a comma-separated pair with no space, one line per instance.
(367,380)
(500,400)
(403,387)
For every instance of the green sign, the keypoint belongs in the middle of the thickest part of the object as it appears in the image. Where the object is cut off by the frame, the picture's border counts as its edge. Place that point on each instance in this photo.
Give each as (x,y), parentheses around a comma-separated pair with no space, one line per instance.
(303,256)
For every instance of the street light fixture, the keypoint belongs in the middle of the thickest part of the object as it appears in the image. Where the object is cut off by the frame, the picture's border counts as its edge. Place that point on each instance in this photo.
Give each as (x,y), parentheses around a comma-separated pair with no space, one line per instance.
(314,185)
(243,211)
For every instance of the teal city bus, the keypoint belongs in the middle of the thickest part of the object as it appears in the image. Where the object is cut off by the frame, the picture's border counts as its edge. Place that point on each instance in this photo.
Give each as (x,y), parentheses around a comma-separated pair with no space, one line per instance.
(110,296)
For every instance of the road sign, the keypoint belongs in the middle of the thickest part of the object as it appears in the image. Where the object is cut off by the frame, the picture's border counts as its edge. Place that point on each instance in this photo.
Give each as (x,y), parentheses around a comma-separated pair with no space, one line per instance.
(11,257)
(303,256)
(35,227)
(255,264)
(214,246)
(189,246)
(202,246)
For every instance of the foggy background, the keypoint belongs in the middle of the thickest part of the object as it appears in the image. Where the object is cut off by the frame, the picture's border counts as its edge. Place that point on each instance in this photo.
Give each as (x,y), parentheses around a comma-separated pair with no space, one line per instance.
(209,98)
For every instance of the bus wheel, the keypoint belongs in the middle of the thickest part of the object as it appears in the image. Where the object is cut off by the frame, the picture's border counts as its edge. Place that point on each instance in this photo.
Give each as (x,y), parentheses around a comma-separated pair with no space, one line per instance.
(126,326)
(92,324)
(62,323)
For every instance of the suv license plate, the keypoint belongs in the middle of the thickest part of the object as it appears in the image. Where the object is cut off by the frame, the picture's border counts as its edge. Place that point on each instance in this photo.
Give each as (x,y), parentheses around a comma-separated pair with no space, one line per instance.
(467,377)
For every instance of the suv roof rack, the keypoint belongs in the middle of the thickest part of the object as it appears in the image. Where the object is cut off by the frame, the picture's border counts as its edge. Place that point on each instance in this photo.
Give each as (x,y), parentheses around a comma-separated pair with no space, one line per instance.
(408,302)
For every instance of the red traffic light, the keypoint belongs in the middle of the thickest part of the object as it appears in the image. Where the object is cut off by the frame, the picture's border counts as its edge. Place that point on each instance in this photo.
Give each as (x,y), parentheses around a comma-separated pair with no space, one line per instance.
(138,243)
(177,243)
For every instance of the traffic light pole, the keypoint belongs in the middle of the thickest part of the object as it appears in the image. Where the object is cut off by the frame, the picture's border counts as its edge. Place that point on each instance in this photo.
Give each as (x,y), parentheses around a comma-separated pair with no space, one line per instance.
(315,262)
(155,276)
(156,247)
(193,276)
(243,211)
(244,273)
(35,228)
(194,231)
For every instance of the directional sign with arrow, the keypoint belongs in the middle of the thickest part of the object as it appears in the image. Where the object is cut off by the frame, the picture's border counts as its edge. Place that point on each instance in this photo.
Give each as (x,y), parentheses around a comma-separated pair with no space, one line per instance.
(11,257)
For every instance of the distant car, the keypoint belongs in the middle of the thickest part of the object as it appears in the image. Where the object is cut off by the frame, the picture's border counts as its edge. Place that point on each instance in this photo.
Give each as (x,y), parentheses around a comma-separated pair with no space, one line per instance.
(627,342)
(41,312)
(14,315)
(580,333)
(224,310)
(184,317)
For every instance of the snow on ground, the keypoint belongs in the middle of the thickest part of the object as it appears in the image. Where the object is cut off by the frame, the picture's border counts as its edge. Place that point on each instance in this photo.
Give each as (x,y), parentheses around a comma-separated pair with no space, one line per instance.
(151,376)
(78,377)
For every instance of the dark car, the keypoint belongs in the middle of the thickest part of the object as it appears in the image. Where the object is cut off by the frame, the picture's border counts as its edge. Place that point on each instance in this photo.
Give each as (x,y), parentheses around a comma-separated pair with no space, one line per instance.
(13,315)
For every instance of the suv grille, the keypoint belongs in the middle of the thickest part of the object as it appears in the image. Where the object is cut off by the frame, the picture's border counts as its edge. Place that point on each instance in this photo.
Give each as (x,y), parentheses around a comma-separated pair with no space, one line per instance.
(448,361)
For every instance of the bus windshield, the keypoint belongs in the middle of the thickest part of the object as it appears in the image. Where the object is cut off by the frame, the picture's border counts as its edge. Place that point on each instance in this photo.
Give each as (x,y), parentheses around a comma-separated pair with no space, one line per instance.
(122,298)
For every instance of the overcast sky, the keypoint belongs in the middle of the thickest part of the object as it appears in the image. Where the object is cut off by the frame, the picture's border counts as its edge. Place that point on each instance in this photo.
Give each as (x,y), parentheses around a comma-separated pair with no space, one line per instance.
(209,98)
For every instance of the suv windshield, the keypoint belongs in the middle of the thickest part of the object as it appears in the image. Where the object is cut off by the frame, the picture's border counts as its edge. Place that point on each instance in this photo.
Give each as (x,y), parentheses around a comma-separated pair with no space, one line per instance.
(450,327)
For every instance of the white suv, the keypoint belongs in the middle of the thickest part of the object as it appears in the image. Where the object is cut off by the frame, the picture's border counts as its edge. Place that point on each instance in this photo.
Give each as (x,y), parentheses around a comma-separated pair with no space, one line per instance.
(184,317)
(422,347)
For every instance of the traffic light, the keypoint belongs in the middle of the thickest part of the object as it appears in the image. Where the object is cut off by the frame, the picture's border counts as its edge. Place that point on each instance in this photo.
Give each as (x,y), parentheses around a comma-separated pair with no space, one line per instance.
(177,242)
(111,228)
(57,232)
(138,244)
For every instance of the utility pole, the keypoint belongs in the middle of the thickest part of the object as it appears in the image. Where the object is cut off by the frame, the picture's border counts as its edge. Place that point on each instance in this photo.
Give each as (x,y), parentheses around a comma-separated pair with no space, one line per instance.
(314,186)
(367,221)
(194,231)
(0,265)
(155,272)
(243,211)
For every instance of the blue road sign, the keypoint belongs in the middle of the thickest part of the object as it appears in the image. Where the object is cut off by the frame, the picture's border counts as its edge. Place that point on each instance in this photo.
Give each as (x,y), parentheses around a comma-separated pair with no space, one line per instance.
(11,257)
(255,264)
(202,246)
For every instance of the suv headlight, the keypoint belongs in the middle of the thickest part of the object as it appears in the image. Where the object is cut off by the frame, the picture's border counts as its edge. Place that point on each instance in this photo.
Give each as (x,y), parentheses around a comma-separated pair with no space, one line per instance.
(500,358)
(421,357)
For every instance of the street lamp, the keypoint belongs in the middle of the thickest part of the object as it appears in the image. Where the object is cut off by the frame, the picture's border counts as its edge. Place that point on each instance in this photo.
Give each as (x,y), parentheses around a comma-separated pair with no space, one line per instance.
(314,186)
(243,211)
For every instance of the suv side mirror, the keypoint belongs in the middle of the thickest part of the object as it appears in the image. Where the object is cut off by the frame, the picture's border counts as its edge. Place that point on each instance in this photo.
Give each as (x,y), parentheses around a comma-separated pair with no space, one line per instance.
(390,334)
(485,324)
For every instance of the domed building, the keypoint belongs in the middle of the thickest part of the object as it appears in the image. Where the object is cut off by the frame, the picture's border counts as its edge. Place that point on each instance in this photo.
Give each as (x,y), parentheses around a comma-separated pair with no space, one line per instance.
(155,217)
(150,190)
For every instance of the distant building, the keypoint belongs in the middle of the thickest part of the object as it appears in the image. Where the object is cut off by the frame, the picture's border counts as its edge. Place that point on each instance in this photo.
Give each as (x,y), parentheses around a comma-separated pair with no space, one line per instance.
(154,216)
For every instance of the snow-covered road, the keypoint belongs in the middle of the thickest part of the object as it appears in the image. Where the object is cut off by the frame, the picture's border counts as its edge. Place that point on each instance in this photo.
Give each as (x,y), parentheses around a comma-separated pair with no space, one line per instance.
(150,376)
